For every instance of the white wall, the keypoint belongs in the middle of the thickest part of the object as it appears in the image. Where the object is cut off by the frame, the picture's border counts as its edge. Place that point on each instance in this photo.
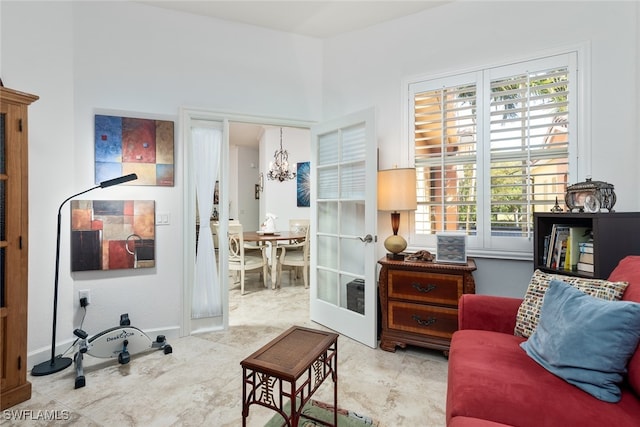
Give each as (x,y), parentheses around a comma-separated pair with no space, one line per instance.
(279,198)
(368,67)
(248,207)
(38,59)
(80,57)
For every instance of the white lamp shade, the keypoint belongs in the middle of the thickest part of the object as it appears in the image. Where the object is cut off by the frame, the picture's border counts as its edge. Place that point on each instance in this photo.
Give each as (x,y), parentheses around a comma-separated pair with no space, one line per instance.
(397,189)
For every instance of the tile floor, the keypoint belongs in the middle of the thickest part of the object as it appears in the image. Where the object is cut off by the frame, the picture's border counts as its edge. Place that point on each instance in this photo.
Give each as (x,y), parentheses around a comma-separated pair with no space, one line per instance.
(200,383)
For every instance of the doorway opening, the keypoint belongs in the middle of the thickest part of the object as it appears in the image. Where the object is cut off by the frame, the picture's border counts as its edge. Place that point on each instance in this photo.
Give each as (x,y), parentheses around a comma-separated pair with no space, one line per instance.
(236,124)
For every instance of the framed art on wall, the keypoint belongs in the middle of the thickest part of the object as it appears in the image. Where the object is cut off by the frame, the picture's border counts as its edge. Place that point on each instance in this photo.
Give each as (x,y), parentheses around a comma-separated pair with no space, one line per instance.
(451,248)
(125,145)
(112,234)
(303,190)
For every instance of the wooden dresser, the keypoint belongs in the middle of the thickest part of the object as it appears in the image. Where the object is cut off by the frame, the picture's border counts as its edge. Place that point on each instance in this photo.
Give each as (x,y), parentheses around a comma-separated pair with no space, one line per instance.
(419,302)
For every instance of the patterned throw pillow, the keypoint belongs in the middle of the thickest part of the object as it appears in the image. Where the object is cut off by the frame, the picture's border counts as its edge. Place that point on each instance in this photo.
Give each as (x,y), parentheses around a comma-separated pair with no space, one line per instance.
(529,311)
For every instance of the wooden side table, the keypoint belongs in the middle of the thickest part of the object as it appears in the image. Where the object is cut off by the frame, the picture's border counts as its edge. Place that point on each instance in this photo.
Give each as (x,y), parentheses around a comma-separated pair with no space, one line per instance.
(419,302)
(290,367)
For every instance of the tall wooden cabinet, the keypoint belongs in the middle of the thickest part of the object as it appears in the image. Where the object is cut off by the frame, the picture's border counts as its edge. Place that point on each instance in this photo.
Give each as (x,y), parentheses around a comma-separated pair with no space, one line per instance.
(14,226)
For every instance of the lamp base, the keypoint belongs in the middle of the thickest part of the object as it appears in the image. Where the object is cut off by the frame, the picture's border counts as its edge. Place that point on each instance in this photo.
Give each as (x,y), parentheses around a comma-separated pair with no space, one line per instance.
(395,244)
(51,366)
(396,257)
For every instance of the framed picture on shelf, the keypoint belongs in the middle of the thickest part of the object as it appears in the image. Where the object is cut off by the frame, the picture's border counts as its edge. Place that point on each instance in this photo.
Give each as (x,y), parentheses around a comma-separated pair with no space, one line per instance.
(451,248)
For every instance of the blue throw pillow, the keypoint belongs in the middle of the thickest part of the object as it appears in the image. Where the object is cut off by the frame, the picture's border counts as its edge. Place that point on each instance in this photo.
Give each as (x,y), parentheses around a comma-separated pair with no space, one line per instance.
(585,340)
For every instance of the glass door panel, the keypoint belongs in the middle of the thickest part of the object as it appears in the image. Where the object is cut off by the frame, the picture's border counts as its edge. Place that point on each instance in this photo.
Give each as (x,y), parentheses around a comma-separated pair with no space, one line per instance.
(343,285)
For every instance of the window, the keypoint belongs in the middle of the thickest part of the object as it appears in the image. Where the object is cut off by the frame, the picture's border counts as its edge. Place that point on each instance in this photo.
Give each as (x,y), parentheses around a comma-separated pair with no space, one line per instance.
(491,147)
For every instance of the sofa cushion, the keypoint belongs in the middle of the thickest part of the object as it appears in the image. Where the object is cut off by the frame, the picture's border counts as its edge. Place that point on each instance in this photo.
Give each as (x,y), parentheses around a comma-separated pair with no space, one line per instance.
(629,270)
(529,311)
(585,340)
(473,422)
(488,312)
(492,378)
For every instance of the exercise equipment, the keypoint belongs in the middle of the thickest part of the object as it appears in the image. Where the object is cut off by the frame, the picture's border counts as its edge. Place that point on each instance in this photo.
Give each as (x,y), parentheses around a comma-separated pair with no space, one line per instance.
(120,341)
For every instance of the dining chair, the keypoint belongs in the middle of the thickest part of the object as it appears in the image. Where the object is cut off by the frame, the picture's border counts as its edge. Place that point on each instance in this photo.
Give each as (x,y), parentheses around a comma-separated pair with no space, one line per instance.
(243,261)
(215,230)
(296,226)
(296,255)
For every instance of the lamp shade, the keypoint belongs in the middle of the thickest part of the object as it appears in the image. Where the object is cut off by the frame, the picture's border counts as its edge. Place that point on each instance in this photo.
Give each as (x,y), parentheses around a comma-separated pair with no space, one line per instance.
(397,189)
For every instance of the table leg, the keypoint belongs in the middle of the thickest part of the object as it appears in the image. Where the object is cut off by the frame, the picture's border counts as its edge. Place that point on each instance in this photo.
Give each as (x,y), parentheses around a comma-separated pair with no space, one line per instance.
(335,385)
(274,265)
(295,416)
(245,407)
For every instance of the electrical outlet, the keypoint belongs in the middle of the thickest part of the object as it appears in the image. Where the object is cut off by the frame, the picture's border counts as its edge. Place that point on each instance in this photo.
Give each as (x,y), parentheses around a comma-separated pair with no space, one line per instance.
(84,296)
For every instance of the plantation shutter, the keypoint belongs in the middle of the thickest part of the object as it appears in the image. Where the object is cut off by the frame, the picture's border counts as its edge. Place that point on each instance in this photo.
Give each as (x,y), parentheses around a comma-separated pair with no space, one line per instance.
(491,148)
(446,156)
(528,143)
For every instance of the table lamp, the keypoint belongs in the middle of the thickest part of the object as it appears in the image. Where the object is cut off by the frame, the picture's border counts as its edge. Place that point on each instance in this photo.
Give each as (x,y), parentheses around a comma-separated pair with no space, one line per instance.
(396,192)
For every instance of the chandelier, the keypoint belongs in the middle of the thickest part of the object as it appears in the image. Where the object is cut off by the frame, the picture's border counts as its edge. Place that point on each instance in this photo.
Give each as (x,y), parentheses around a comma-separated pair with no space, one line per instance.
(279,167)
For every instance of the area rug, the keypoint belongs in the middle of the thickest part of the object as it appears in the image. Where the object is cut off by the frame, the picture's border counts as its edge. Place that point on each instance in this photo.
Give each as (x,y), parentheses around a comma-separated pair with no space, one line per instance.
(324,412)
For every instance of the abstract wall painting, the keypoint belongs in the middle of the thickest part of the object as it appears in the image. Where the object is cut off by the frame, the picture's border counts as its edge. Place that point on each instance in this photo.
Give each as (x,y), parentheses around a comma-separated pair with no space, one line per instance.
(303,185)
(112,234)
(125,145)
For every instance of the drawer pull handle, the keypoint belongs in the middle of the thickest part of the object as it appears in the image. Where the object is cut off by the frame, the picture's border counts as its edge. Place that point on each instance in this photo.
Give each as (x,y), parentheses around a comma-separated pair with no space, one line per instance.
(422,322)
(420,288)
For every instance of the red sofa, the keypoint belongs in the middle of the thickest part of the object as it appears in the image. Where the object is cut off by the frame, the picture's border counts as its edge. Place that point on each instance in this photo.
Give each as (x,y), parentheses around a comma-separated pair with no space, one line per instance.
(493,382)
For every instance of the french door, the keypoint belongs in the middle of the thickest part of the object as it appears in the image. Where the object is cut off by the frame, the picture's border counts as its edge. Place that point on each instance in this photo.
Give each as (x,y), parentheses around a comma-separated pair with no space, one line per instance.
(343,201)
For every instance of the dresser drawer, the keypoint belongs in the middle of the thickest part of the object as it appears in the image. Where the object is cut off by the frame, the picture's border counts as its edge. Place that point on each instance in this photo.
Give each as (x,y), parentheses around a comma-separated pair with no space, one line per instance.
(435,288)
(423,319)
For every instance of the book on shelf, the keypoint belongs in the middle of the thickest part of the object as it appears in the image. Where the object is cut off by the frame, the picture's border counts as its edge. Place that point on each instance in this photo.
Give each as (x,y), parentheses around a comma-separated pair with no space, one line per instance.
(586,258)
(545,251)
(559,246)
(548,250)
(562,254)
(586,247)
(551,247)
(568,257)
(582,266)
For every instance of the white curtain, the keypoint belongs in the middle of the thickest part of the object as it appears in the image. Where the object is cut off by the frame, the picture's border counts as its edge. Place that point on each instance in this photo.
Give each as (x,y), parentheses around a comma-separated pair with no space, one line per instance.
(207,144)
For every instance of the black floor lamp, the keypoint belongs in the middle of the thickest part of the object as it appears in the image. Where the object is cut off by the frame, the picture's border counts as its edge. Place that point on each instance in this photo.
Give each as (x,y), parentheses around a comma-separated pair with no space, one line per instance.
(56,364)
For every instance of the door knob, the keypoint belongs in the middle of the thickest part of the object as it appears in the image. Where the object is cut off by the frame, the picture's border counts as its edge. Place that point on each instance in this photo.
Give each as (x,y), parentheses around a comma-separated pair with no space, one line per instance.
(366,239)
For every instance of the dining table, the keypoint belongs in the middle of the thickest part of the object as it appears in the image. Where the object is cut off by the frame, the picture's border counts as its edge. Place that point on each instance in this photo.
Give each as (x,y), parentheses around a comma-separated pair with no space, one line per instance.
(262,238)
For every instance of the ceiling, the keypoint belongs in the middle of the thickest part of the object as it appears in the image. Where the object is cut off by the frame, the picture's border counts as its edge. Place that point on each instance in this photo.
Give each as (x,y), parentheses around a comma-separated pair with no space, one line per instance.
(321,19)
(245,134)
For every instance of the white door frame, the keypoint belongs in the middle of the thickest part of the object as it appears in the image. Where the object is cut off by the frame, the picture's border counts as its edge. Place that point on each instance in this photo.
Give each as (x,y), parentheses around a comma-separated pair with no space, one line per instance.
(187,116)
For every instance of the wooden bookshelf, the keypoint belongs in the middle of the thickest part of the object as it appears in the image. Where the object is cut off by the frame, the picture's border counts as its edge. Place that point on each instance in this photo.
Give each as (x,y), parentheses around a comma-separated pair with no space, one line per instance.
(14,246)
(615,235)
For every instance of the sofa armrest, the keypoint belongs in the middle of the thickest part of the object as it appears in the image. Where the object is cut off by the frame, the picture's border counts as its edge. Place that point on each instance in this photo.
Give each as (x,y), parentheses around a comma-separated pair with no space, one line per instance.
(488,312)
